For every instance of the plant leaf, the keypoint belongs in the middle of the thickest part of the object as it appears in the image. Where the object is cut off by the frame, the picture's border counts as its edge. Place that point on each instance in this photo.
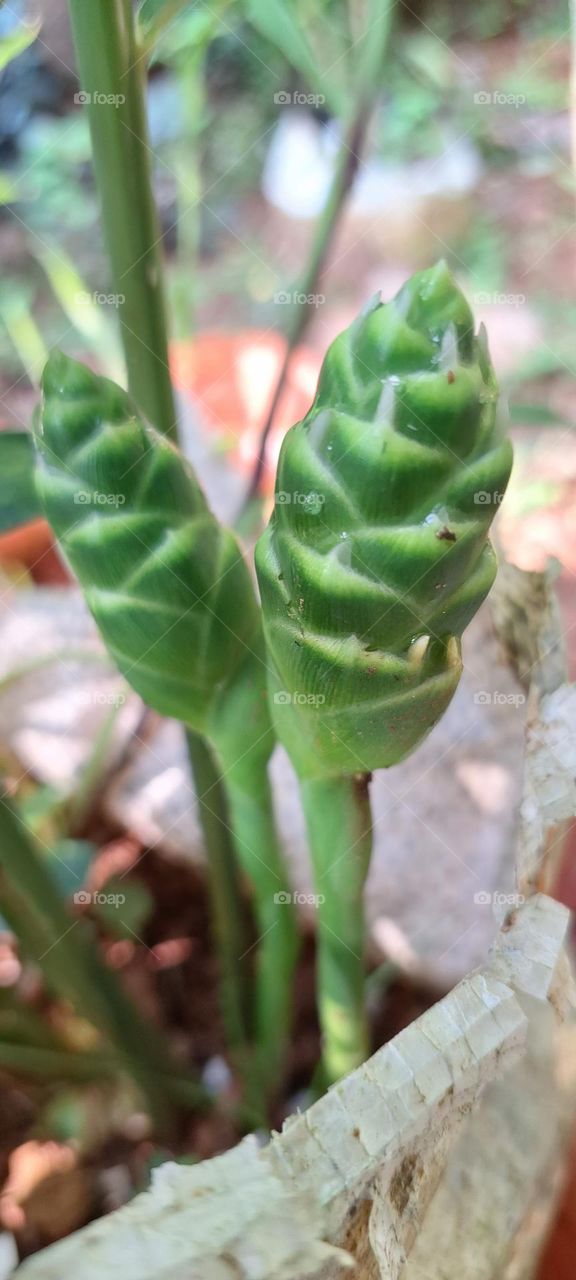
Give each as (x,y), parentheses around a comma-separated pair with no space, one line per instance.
(154,16)
(538,415)
(69,863)
(15,43)
(124,906)
(276,21)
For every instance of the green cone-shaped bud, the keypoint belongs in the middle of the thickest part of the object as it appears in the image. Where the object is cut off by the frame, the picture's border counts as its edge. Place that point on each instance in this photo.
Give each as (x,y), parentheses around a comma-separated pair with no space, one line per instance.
(166,583)
(377,555)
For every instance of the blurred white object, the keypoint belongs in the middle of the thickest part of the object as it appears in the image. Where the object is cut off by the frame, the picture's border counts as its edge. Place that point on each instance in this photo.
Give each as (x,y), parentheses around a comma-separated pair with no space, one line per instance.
(8,1255)
(300,164)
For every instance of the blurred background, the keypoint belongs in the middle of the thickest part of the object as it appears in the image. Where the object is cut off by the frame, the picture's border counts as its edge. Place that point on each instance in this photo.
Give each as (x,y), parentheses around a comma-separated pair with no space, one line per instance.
(288,196)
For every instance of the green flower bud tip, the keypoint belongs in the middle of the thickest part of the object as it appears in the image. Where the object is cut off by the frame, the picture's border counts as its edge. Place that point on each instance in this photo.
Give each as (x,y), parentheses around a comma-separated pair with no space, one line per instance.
(377,554)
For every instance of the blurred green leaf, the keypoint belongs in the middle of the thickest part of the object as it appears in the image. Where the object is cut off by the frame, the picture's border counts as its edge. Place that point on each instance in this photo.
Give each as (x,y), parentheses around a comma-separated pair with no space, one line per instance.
(18,501)
(81,306)
(16,303)
(154,16)
(277,22)
(8,189)
(123,906)
(155,12)
(17,42)
(538,415)
(20,1024)
(70,861)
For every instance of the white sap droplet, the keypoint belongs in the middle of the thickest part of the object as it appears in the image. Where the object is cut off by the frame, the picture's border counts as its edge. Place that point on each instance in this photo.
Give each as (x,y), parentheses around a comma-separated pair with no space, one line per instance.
(448,356)
(385,406)
(417,650)
(318,428)
(343,552)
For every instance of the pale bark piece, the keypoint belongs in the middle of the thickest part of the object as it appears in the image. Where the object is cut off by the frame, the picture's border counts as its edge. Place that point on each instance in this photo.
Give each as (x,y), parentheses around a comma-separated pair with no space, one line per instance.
(283,1212)
(549,792)
(497,1194)
(356,1176)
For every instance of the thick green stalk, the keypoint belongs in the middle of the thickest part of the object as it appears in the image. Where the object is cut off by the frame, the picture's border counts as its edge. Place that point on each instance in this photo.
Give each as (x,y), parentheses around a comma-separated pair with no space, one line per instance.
(346,168)
(111,75)
(112,67)
(239,727)
(225,892)
(255,835)
(69,959)
(340,833)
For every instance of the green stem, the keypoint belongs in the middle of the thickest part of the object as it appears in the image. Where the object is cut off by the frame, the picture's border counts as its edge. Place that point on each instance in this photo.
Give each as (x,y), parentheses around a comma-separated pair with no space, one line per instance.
(111,64)
(56,1064)
(68,1064)
(340,833)
(252,818)
(347,164)
(242,737)
(372,50)
(88,784)
(112,74)
(186,165)
(69,959)
(226,892)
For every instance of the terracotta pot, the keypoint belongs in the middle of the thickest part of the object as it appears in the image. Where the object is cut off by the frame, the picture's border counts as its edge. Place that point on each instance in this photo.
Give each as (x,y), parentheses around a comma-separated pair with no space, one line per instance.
(233,375)
(31,546)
